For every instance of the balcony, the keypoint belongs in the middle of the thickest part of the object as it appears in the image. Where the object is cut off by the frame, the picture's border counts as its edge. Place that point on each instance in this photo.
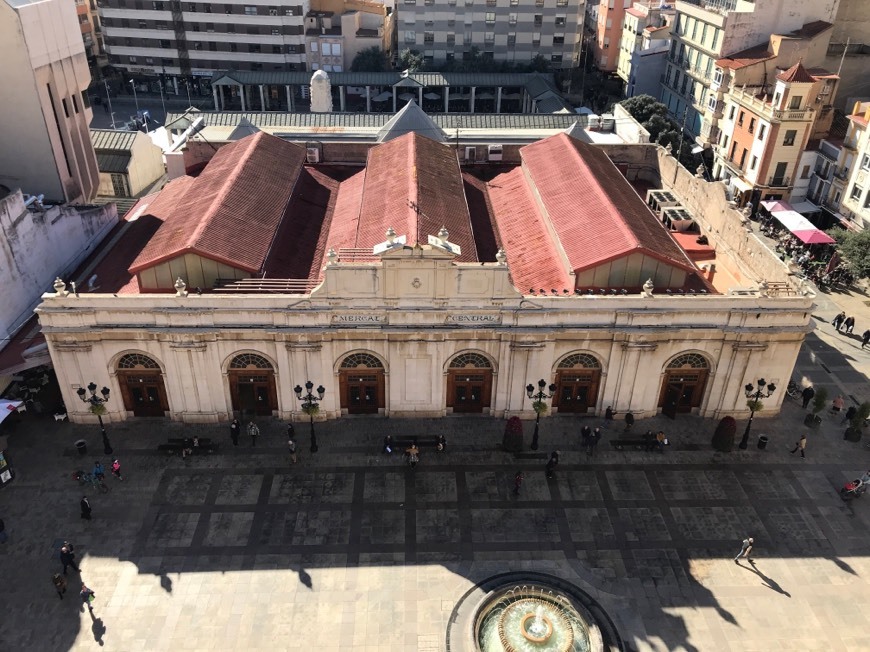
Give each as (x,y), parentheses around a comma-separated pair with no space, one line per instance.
(778,182)
(749,99)
(842,172)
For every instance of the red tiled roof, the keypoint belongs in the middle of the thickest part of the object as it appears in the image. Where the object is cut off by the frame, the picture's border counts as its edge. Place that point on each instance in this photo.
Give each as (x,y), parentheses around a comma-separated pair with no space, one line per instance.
(243,189)
(532,254)
(412,184)
(595,213)
(812,29)
(747,57)
(637,13)
(797,74)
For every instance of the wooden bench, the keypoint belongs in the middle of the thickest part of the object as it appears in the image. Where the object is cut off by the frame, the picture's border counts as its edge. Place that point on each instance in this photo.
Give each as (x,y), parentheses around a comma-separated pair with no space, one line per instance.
(177,445)
(648,444)
(181,440)
(401,443)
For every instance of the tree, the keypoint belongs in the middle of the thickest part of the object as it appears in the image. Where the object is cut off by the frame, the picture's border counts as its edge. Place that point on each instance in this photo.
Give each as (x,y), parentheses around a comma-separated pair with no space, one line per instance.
(819,401)
(644,107)
(371,59)
(856,424)
(723,438)
(539,63)
(410,60)
(854,249)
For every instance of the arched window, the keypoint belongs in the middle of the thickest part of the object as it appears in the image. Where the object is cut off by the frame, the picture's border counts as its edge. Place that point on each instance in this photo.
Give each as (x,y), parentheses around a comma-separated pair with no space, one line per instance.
(250,361)
(583,360)
(473,360)
(137,361)
(690,361)
(364,360)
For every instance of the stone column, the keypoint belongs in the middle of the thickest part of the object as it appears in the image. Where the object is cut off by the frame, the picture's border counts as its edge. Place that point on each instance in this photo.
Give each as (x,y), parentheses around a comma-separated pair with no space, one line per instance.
(446,99)
(289,97)
(471,102)
(342,98)
(242,95)
(420,95)
(262,99)
(175,84)
(368,99)
(217,97)
(395,108)
(498,100)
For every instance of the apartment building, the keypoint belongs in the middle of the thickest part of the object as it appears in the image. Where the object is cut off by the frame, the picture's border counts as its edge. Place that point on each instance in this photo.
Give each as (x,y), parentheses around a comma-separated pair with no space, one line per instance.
(608,32)
(856,200)
(643,47)
(46,144)
(184,40)
(337,30)
(88,16)
(707,30)
(765,130)
(504,30)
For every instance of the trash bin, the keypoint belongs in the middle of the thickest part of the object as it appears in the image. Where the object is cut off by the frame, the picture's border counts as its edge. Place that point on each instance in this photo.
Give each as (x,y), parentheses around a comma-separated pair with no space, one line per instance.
(762,442)
(82,447)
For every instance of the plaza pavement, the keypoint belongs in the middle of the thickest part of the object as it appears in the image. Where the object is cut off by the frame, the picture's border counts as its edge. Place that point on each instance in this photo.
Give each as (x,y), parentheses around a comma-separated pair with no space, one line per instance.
(351,550)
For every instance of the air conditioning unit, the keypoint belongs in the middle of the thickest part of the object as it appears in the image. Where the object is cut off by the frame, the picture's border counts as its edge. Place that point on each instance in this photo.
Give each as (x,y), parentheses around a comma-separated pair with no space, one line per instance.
(470,153)
(494,152)
(273,12)
(312,155)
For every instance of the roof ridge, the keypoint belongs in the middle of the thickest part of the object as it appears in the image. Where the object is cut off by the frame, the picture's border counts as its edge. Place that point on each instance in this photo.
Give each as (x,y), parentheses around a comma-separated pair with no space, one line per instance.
(413,187)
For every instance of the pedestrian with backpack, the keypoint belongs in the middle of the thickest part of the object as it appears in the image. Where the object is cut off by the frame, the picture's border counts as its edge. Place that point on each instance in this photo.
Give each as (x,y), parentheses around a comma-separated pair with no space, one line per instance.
(87,596)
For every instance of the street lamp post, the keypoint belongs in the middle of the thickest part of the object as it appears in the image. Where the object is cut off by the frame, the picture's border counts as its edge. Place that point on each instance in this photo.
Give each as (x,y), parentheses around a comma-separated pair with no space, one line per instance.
(309,406)
(538,398)
(96,403)
(754,395)
(135,97)
(109,100)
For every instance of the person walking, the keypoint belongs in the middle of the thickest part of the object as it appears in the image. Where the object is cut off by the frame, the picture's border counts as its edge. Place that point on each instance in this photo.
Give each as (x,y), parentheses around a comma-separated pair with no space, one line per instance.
(235,428)
(86,508)
(99,471)
(67,558)
(808,394)
(552,463)
(838,321)
(838,404)
(850,414)
(441,444)
(865,337)
(87,596)
(59,584)
(388,445)
(253,432)
(661,441)
(801,445)
(745,550)
(518,482)
(291,446)
(849,325)
(585,436)
(116,469)
(413,454)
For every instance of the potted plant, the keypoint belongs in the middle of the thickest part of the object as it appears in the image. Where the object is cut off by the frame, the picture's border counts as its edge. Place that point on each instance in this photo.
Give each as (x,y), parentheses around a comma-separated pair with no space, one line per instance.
(513,435)
(98,410)
(311,409)
(723,437)
(539,407)
(819,401)
(856,424)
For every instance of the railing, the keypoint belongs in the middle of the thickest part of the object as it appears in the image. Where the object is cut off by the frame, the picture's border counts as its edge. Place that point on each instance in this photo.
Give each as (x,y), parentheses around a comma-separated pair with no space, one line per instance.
(778,182)
(841,172)
(748,99)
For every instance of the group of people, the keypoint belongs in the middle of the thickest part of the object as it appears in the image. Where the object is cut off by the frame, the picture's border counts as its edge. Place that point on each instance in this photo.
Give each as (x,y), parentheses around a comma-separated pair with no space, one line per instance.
(844,324)
(412,452)
(67,559)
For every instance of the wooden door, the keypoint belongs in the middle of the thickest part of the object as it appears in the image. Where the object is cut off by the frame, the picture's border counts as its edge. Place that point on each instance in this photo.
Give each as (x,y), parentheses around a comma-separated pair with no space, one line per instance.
(469,391)
(362,391)
(576,392)
(253,394)
(682,391)
(144,394)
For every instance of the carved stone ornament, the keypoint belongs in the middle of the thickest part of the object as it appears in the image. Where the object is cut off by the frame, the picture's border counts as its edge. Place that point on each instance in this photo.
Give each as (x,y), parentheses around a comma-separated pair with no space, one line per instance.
(180,288)
(647,289)
(60,287)
(417,283)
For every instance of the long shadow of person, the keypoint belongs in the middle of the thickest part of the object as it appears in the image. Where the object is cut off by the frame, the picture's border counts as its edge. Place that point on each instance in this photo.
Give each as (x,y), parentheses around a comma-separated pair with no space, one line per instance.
(98,629)
(305,578)
(768,582)
(166,582)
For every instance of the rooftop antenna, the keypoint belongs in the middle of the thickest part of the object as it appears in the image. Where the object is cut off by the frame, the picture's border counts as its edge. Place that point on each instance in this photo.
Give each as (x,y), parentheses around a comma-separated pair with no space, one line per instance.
(843,58)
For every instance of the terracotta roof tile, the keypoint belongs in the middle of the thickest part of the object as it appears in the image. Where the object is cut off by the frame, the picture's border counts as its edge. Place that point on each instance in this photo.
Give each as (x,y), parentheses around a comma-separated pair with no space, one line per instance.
(747,57)
(345,216)
(244,189)
(595,213)
(797,74)
(532,254)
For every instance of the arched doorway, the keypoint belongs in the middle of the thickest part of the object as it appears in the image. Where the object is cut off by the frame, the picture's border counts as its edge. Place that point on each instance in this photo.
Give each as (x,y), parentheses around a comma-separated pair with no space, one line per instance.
(469,383)
(142,388)
(252,385)
(684,384)
(361,384)
(577,379)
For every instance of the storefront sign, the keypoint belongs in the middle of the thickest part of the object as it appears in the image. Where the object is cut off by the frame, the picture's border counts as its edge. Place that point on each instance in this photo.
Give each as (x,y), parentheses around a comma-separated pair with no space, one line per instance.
(359,320)
(472,320)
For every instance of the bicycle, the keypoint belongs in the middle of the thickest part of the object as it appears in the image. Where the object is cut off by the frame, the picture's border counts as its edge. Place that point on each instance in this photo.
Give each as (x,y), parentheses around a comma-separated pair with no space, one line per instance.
(89,478)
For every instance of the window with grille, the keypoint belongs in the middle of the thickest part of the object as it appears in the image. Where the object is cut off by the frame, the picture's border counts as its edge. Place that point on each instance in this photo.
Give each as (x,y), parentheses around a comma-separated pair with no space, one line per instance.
(357,360)
(250,361)
(475,360)
(137,361)
(583,360)
(689,360)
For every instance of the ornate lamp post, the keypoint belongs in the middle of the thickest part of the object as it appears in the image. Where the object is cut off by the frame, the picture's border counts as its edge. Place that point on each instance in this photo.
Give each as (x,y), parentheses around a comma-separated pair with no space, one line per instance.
(97,404)
(754,403)
(538,404)
(310,406)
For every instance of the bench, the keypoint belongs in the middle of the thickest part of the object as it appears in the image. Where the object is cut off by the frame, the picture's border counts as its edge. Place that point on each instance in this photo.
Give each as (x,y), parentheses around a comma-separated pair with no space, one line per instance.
(176,446)
(401,443)
(645,444)
(181,440)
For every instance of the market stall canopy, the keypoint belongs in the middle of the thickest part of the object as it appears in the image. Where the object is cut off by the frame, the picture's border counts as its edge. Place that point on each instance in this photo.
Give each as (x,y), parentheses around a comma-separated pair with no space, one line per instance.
(407,97)
(814,237)
(7,407)
(382,97)
(801,227)
(431,96)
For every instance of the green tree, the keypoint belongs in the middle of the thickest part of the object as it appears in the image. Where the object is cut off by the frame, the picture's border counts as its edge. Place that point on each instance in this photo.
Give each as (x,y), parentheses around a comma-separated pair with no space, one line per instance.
(539,63)
(371,59)
(854,249)
(410,60)
(644,107)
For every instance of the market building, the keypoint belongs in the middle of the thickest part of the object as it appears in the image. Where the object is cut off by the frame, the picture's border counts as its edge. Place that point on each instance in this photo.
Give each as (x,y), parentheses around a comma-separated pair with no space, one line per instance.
(418,286)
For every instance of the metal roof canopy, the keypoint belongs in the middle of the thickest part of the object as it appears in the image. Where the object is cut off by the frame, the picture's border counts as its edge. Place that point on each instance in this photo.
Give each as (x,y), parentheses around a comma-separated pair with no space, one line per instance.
(535,83)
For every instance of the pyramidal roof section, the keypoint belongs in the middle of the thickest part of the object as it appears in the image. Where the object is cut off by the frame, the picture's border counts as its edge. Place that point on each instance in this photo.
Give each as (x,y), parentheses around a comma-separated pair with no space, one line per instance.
(577,131)
(411,119)
(797,74)
(243,129)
